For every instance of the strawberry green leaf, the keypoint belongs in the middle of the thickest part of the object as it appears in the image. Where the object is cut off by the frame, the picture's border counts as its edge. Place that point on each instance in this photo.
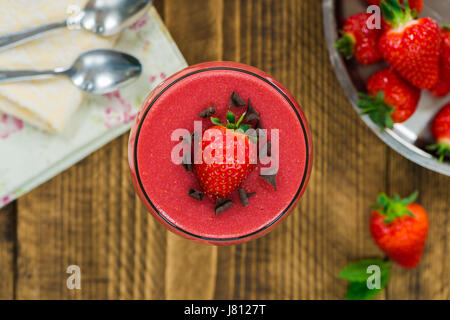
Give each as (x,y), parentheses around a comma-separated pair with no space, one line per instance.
(383,199)
(411,198)
(441,149)
(360,291)
(394,13)
(216,121)
(377,110)
(358,271)
(406,4)
(360,276)
(388,121)
(231,118)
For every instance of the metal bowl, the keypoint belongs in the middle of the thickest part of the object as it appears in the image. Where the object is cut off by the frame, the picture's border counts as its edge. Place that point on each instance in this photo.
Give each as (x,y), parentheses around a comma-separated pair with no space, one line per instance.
(408,138)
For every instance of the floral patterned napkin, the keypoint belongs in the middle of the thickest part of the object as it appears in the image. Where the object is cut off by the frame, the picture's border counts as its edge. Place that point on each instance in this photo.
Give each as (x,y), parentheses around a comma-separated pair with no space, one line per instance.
(29,157)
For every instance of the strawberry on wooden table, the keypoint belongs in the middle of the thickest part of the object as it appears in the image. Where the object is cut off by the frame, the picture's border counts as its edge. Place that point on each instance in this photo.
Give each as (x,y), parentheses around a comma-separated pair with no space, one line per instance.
(389,100)
(416,5)
(222,173)
(412,46)
(400,228)
(442,87)
(359,41)
(440,129)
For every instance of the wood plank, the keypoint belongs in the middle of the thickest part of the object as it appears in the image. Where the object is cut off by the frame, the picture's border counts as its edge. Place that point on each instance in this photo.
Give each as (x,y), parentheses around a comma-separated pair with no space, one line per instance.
(7,251)
(430,280)
(196,27)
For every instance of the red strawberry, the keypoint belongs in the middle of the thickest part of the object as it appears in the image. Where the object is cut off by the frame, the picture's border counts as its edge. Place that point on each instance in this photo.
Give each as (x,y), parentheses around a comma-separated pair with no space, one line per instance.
(400,228)
(412,47)
(390,99)
(443,86)
(219,174)
(413,4)
(440,129)
(359,41)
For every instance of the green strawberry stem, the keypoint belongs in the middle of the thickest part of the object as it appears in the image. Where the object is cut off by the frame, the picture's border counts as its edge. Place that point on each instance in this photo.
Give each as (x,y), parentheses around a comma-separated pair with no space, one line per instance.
(446,27)
(441,149)
(346,45)
(231,119)
(231,122)
(395,207)
(377,109)
(395,14)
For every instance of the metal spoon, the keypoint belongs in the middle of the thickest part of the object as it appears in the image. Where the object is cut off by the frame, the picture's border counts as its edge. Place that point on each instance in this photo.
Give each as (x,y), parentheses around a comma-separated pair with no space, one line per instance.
(98,71)
(103,17)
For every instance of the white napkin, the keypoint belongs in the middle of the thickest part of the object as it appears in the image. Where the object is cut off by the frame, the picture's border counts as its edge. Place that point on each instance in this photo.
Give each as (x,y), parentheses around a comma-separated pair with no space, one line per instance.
(47,104)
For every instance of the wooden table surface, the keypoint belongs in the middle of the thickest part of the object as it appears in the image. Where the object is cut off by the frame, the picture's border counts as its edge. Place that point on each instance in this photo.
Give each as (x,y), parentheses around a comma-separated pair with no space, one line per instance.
(90,215)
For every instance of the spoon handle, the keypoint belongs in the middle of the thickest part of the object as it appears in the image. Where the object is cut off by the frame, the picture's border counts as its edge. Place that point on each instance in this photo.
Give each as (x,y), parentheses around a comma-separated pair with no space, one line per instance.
(14,39)
(23,75)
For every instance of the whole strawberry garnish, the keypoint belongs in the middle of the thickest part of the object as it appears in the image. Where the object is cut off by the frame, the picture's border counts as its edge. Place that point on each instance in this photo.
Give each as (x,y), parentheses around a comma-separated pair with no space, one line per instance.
(440,129)
(359,41)
(400,228)
(442,87)
(389,100)
(412,47)
(416,5)
(226,154)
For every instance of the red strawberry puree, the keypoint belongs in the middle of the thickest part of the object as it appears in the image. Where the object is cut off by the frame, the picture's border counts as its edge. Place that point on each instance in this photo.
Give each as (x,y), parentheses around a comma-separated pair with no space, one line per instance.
(163,186)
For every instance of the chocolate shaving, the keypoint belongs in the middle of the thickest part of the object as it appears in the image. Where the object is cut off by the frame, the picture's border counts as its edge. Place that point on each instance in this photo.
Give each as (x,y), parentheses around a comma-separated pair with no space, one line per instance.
(207,112)
(222,205)
(268,147)
(260,132)
(243,195)
(251,114)
(270,178)
(185,138)
(197,195)
(236,100)
(186,162)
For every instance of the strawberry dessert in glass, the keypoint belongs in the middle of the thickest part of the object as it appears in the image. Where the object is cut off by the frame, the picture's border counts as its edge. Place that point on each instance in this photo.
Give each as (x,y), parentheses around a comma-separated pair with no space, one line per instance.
(220,153)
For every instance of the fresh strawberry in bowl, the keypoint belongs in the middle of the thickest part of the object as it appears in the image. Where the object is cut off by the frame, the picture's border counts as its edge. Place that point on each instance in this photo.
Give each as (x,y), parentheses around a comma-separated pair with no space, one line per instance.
(359,41)
(389,100)
(412,46)
(400,227)
(440,129)
(442,87)
(415,53)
